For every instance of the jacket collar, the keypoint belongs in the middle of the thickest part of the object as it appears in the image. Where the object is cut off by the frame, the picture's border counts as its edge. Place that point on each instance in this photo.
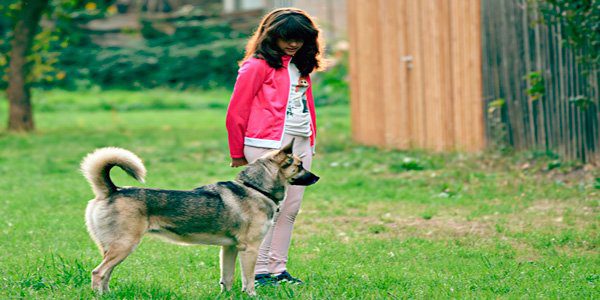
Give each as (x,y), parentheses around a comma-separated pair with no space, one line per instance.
(286,60)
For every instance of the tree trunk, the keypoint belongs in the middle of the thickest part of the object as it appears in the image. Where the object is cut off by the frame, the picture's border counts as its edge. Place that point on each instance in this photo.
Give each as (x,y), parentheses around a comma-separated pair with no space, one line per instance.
(18,92)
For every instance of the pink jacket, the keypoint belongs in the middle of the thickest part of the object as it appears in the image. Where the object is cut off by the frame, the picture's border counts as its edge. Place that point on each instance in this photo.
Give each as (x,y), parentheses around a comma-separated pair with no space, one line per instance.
(257,110)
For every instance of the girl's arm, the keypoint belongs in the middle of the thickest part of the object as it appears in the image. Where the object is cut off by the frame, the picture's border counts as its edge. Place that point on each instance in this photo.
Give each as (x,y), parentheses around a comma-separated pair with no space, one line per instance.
(251,76)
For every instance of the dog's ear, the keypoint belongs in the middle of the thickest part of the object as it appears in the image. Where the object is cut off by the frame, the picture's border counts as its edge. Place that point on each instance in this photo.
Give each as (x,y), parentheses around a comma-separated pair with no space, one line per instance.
(283,153)
(287,149)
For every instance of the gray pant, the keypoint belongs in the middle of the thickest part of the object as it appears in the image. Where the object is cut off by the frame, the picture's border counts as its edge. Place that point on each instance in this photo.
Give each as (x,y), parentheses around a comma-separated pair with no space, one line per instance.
(273,252)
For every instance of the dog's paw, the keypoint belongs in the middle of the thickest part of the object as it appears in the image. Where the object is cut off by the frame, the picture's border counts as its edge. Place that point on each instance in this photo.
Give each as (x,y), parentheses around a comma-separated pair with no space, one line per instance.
(249,291)
(225,287)
(100,291)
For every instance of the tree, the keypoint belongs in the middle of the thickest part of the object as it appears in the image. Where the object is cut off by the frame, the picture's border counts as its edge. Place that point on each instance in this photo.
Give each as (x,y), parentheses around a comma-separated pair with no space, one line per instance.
(18,92)
(25,16)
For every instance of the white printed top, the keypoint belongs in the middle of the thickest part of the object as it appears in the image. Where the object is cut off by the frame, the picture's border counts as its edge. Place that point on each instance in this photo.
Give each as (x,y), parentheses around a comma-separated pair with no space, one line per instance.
(298,118)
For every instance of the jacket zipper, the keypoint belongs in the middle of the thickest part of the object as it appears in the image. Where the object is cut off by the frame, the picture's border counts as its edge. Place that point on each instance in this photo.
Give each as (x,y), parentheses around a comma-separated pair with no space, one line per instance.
(289,87)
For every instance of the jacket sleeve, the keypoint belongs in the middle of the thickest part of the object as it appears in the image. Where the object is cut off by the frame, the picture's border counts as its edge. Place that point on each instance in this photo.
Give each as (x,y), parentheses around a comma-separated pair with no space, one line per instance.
(251,76)
(313,115)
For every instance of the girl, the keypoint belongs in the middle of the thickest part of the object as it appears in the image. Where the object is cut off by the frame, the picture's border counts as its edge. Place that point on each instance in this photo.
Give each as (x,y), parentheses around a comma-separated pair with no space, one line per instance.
(272,104)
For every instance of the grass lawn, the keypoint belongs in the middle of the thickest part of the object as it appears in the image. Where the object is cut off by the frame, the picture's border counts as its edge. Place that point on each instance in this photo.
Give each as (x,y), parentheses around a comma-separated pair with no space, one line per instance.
(380,224)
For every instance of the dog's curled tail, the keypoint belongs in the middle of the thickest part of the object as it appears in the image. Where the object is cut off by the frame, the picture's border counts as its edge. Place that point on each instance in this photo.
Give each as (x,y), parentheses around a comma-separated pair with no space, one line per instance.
(96,169)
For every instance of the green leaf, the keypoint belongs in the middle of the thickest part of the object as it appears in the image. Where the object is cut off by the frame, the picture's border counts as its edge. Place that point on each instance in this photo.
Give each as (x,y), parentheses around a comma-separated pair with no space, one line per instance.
(582,102)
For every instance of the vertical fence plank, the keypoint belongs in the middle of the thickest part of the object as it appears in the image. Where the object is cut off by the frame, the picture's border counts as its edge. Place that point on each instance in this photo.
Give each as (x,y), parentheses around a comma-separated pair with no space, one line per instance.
(369,107)
(445,70)
(489,67)
(404,100)
(429,35)
(465,54)
(541,105)
(528,68)
(432,20)
(475,105)
(393,87)
(551,89)
(353,59)
(558,82)
(457,54)
(414,61)
(460,52)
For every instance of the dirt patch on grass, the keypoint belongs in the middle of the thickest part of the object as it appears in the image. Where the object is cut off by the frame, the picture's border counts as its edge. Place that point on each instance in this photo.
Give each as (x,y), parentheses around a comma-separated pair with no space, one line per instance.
(546,206)
(387,226)
(446,226)
(554,215)
(400,220)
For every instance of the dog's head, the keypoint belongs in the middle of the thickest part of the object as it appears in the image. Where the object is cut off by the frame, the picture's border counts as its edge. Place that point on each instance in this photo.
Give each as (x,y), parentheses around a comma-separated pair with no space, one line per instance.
(273,171)
(290,166)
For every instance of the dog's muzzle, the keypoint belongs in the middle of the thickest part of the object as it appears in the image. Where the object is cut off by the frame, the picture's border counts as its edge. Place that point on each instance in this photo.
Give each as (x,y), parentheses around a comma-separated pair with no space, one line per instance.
(305,178)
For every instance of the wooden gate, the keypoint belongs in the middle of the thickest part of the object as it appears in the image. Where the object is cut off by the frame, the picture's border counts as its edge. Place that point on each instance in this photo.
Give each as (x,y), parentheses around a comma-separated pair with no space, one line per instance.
(415,72)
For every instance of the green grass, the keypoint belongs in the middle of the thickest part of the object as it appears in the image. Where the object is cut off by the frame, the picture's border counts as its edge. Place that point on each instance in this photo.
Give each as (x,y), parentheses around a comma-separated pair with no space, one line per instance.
(379,225)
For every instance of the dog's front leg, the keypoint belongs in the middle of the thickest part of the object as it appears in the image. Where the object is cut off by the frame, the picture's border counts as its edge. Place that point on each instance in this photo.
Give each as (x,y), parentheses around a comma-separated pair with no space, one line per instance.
(228,256)
(248,262)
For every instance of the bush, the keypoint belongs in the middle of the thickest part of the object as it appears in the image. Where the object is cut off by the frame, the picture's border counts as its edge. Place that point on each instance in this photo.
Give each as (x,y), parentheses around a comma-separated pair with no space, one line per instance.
(200,52)
(331,86)
(197,50)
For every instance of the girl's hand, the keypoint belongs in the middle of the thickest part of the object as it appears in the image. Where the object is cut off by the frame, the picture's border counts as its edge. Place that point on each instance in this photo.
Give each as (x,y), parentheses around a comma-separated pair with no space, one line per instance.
(238,162)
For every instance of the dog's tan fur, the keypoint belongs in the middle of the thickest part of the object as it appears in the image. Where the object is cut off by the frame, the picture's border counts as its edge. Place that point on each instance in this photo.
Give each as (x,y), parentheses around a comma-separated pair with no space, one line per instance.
(234,214)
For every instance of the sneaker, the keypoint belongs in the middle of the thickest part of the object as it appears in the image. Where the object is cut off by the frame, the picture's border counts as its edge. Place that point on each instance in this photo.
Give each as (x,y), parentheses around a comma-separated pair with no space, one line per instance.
(261,280)
(288,278)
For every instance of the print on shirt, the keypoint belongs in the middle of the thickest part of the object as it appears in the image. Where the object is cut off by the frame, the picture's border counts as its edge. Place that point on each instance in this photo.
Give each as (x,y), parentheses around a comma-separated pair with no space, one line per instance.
(298,120)
(298,102)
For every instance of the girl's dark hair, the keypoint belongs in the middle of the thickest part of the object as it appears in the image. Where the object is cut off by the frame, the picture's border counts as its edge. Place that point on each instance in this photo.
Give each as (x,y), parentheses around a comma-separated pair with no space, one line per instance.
(287,24)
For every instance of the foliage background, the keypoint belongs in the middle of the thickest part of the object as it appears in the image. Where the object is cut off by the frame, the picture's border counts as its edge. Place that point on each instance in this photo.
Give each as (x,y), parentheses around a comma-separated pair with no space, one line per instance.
(192,48)
(201,52)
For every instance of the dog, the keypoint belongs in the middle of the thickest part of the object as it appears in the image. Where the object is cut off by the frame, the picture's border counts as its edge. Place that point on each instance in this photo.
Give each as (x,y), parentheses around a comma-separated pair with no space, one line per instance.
(233,214)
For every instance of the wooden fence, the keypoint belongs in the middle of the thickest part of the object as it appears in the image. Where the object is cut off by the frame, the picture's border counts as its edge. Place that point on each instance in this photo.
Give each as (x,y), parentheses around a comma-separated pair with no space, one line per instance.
(416,74)
(518,53)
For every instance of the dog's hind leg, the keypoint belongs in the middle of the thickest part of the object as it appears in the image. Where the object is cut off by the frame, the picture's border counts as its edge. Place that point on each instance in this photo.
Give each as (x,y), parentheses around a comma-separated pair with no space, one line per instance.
(115,254)
(248,261)
(228,256)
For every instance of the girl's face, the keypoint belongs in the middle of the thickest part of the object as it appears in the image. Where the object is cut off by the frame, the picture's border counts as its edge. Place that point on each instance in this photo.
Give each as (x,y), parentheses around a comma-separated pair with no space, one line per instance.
(289,47)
